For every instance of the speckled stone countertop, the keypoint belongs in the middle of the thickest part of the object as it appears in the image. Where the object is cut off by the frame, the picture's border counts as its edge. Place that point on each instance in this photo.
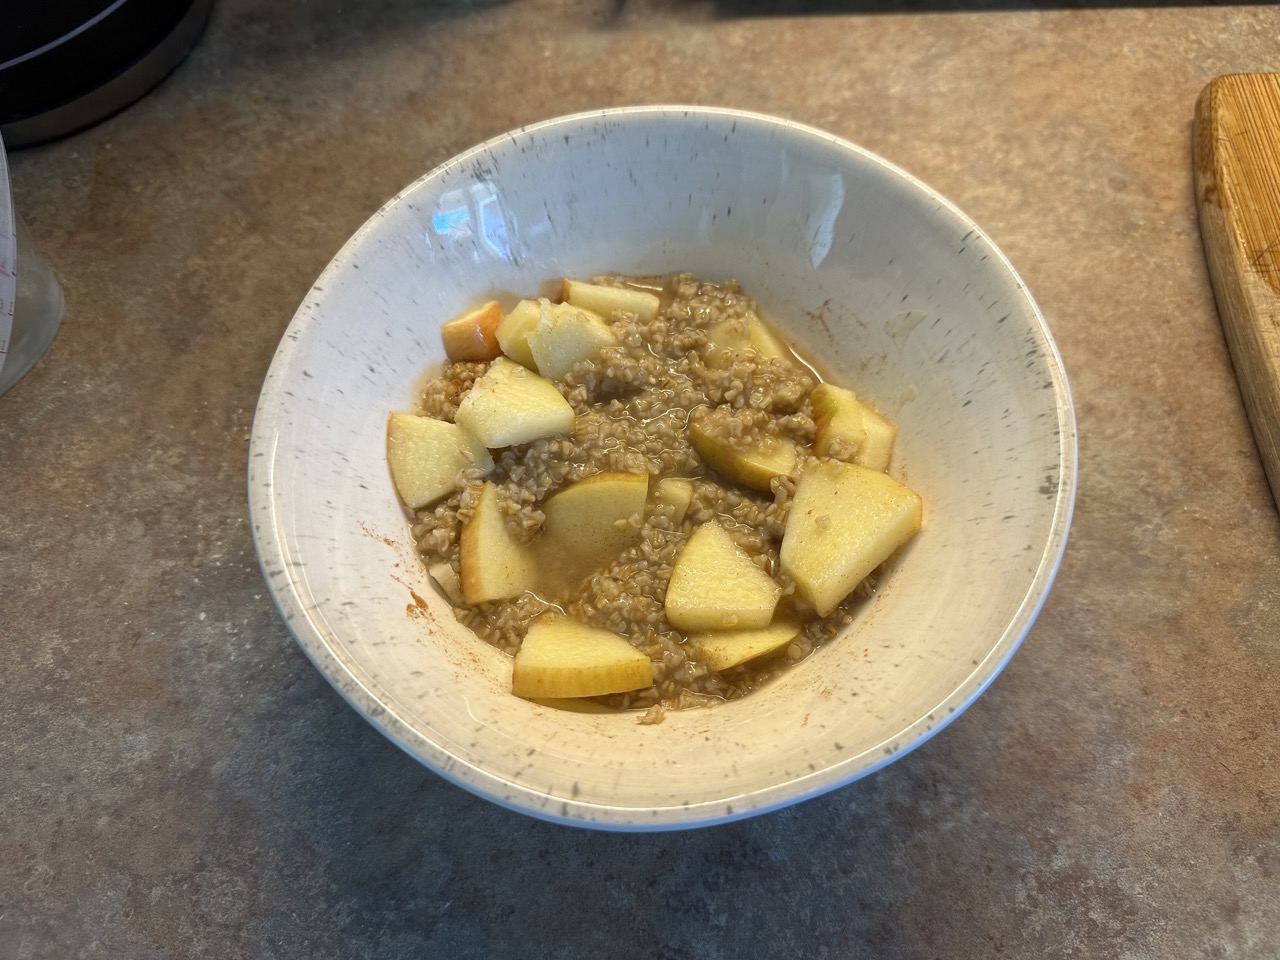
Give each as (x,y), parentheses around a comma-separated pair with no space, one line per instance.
(176,780)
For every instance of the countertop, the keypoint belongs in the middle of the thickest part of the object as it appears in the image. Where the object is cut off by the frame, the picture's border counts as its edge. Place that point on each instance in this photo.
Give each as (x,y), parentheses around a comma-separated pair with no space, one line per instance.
(178,781)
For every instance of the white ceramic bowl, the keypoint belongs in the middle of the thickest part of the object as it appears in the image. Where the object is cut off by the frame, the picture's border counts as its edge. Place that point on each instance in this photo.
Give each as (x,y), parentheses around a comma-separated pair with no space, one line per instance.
(892,288)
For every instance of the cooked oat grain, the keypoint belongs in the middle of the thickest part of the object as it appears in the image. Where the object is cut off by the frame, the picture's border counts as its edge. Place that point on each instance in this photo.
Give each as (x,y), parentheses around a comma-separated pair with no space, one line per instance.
(634,404)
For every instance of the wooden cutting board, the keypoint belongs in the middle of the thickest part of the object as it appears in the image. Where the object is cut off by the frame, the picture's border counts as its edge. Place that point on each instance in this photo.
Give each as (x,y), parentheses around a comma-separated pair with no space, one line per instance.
(1237,181)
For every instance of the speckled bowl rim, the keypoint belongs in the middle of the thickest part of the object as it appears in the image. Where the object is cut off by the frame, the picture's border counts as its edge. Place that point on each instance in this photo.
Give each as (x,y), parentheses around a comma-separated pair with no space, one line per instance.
(603,816)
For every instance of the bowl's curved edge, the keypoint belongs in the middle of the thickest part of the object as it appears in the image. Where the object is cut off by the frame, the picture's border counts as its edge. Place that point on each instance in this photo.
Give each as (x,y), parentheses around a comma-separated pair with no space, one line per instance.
(8,255)
(290,604)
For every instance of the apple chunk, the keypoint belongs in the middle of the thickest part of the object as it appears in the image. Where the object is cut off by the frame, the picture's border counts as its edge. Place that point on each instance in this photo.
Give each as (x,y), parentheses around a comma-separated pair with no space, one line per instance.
(845,521)
(768,342)
(743,335)
(752,466)
(425,456)
(567,334)
(877,451)
(473,335)
(676,493)
(510,405)
(730,336)
(446,578)
(591,519)
(722,649)
(849,429)
(715,586)
(605,300)
(837,414)
(561,657)
(494,564)
(513,332)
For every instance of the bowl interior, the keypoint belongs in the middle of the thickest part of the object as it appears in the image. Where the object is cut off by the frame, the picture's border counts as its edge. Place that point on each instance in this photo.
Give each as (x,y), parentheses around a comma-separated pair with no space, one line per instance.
(889,287)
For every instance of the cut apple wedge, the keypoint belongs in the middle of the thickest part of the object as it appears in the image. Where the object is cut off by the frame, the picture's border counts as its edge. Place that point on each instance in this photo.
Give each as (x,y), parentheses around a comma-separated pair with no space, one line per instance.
(715,586)
(722,649)
(837,413)
(425,456)
(730,336)
(851,429)
(513,332)
(446,578)
(510,405)
(675,493)
(605,300)
(768,342)
(845,520)
(567,334)
(753,466)
(493,564)
(473,335)
(561,657)
(744,335)
(882,434)
(591,519)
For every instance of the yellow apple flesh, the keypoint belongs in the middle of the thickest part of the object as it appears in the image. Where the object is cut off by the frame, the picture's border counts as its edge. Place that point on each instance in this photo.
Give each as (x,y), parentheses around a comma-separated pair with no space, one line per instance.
(877,450)
(510,405)
(850,429)
(447,579)
(513,331)
(722,649)
(715,586)
(593,520)
(494,565)
(845,520)
(753,466)
(675,493)
(567,334)
(425,456)
(748,335)
(768,342)
(561,657)
(606,300)
(837,413)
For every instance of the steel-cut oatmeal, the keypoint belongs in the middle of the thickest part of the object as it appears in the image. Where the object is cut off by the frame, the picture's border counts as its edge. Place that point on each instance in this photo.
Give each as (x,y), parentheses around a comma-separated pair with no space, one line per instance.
(704,419)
